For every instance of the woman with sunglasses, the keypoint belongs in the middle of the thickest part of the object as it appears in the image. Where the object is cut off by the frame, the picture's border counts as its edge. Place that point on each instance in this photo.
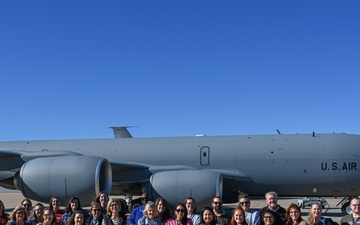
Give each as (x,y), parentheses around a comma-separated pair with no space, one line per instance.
(27,204)
(48,217)
(180,216)
(252,216)
(18,216)
(96,213)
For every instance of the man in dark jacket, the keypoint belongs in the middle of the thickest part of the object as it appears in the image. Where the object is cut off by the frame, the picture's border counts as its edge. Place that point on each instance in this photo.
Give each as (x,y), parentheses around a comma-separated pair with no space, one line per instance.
(220,214)
(279,212)
(354,217)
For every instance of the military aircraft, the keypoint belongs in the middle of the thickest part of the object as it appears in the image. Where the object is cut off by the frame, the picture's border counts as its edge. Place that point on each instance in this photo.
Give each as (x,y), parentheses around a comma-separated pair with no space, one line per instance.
(175,168)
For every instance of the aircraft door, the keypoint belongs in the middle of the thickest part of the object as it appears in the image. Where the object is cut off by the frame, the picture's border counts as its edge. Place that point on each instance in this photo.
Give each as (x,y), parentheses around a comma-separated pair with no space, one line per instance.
(204,155)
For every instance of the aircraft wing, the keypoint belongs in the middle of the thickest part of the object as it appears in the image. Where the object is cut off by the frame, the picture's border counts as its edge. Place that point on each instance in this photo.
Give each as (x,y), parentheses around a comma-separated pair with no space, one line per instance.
(127,172)
(234,175)
(182,179)
(10,161)
(14,159)
(138,172)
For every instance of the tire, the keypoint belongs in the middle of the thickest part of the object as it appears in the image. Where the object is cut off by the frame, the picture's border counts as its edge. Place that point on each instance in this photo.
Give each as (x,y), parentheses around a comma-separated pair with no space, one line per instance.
(124,207)
(135,206)
(135,203)
(345,208)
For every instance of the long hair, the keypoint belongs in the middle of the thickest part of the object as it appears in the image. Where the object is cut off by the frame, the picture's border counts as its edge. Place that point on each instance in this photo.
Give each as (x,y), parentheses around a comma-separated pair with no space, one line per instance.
(289,221)
(233,222)
(71,221)
(99,195)
(3,213)
(311,218)
(108,211)
(18,208)
(162,216)
(207,208)
(184,219)
(190,198)
(52,199)
(68,207)
(34,217)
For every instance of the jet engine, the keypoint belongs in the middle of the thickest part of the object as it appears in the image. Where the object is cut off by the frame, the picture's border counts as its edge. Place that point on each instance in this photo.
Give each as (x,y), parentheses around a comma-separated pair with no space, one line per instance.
(65,176)
(176,186)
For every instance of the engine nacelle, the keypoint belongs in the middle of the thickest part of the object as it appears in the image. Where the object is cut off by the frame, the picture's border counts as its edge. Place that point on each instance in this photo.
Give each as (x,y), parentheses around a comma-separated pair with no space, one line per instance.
(176,186)
(65,176)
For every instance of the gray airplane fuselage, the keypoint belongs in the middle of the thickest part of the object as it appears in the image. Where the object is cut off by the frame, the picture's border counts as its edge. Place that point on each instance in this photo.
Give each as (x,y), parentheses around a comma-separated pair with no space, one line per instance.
(291,165)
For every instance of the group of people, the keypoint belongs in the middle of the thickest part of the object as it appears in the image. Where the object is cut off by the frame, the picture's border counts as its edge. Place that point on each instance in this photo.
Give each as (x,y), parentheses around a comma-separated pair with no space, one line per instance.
(105,211)
(74,214)
(272,214)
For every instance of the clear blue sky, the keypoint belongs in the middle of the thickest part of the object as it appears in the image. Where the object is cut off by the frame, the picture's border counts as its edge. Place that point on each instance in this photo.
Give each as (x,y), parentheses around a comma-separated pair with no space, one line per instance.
(71,69)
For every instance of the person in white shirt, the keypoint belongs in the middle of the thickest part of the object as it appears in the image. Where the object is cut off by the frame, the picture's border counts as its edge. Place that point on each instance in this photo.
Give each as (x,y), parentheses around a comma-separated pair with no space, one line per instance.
(252,217)
(191,211)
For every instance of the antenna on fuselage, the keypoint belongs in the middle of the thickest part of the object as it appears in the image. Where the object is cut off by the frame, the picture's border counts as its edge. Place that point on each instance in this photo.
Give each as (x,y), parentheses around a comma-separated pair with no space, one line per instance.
(278,131)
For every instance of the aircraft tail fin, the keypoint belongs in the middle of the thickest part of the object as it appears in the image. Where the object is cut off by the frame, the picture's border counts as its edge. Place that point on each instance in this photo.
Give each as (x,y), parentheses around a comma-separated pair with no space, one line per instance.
(121,132)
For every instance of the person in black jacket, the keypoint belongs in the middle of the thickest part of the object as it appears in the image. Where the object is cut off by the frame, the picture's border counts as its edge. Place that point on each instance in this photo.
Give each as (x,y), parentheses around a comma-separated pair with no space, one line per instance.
(279,212)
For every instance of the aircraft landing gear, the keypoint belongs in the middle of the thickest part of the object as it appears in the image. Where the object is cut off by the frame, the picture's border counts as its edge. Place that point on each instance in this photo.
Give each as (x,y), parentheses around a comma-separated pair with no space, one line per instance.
(345,205)
(128,200)
(132,203)
(345,209)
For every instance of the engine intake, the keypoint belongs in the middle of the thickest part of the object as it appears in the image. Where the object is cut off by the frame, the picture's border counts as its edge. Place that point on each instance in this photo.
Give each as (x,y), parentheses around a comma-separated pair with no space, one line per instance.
(65,176)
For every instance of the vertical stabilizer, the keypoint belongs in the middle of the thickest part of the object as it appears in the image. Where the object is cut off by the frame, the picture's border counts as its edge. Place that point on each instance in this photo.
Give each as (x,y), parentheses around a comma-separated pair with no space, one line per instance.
(121,132)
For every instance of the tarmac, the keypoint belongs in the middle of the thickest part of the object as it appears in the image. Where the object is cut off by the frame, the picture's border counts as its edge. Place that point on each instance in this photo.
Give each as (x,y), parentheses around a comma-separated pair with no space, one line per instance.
(14,198)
